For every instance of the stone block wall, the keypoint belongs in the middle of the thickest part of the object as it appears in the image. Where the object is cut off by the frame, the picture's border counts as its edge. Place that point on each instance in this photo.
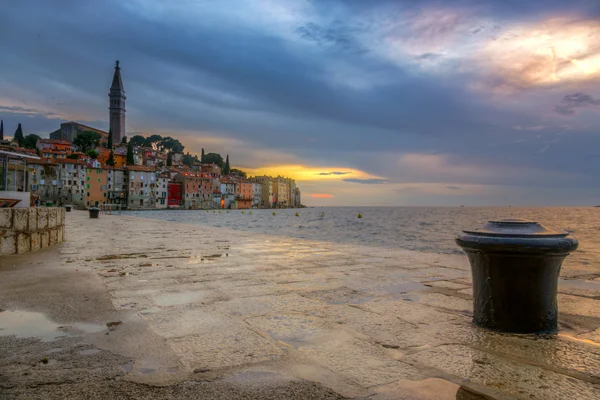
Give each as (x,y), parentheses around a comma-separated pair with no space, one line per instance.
(30,229)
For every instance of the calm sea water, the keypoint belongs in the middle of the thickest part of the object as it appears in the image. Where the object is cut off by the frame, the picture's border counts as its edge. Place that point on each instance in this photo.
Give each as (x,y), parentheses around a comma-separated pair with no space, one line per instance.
(428,229)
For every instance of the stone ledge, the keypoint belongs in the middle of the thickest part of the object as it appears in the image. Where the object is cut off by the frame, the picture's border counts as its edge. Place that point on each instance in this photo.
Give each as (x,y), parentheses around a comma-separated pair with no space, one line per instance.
(30,229)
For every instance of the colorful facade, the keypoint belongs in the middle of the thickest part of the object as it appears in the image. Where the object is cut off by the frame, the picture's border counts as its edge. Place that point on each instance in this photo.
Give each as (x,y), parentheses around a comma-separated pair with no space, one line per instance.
(96,186)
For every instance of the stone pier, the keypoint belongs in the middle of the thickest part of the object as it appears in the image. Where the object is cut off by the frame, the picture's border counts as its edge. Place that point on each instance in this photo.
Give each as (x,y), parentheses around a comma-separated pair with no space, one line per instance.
(135,308)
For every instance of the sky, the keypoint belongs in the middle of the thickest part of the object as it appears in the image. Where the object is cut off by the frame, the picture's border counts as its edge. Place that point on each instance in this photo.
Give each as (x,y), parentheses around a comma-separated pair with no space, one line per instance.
(379,102)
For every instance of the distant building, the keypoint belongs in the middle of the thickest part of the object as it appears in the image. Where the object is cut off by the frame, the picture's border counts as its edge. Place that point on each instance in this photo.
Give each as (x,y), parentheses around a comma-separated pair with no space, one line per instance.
(162,190)
(243,194)
(297,198)
(192,187)
(281,192)
(142,187)
(212,170)
(175,196)
(69,130)
(117,106)
(117,186)
(50,144)
(96,186)
(267,196)
(256,194)
(72,175)
(43,179)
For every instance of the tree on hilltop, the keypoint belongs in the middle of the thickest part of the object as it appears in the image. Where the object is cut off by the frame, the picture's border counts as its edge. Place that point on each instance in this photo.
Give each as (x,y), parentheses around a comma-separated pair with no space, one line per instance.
(137,140)
(18,136)
(226,168)
(202,160)
(169,159)
(92,154)
(238,172)
(87,140)
(130,160)
(214,158)
(1,129)
(110,140)
(124,140)
(111,158)
(30,141)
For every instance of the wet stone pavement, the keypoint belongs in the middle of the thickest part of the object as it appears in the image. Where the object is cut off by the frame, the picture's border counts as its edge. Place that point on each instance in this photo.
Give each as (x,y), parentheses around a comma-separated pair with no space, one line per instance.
(134,308)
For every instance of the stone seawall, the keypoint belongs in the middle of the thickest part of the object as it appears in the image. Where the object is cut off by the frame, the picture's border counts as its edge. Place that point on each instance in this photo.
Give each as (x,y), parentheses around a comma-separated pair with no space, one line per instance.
(30,229)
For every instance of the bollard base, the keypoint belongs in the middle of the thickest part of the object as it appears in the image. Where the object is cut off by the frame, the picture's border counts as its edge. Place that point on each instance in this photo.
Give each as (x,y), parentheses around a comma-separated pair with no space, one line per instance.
(94,212)
(515,293)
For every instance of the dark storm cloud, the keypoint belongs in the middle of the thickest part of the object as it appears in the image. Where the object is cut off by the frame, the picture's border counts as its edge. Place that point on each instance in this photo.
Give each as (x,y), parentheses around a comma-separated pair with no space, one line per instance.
(318,89)
(571,102)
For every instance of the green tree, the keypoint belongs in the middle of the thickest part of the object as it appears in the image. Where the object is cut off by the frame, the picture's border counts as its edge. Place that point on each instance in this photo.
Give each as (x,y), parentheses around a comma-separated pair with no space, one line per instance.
(87,140)
(189,159)
(72,156)
(238,172)
(226,167)
(202,160)
(111,158)
(124,140)
(153,141)
(18,136)
(170,144)
(1,129)
(213,158)
(169,159)
(110,139)
(130,160)
(92,154)
(137,140)
(30,141)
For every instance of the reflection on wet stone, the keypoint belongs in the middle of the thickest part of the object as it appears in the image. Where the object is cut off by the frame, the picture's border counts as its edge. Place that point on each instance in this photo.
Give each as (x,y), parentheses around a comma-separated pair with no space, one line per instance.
(365,322)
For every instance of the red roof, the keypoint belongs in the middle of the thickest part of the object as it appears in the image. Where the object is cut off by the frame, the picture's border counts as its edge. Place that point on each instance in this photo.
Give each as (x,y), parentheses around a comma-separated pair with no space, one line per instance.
(71,161)
(55,141)
(44,161)
(140,168)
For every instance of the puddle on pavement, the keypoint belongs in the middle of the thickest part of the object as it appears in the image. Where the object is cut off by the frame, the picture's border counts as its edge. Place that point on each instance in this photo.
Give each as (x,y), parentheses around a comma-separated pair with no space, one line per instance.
(427,389)
(25,324)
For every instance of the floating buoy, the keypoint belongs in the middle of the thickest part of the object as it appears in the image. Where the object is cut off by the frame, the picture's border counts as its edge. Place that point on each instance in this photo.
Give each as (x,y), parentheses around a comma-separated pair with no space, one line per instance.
(297,215)
(242,212)
(250,212)
(219,211)
(359,215)
(206,210)
(273,212)
(227,211)
(214,211)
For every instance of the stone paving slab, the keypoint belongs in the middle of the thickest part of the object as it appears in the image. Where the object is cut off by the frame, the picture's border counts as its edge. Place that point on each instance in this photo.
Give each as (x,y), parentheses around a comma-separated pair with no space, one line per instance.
(365,322)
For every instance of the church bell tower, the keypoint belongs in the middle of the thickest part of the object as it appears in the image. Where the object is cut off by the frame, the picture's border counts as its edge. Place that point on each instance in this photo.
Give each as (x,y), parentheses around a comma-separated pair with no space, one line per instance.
(117,106)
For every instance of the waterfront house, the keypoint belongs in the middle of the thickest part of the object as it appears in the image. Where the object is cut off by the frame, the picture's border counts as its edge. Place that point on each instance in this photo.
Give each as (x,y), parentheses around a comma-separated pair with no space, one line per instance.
(175,195)
(43,180)
(243,194)
(72,186)
(96,186)
(141,181)
(256,194)
(192,188)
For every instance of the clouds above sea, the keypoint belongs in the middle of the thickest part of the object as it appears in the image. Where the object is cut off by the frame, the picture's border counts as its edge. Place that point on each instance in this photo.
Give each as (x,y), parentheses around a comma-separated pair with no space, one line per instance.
(364,102)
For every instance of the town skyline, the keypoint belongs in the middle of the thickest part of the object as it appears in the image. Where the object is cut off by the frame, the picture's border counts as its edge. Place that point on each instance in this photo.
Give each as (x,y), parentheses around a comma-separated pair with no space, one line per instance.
(380,104)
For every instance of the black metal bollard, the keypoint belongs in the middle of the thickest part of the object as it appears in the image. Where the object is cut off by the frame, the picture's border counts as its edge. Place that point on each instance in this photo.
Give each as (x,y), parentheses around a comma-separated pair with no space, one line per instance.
(94,212)
(68,208)
(515,265)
